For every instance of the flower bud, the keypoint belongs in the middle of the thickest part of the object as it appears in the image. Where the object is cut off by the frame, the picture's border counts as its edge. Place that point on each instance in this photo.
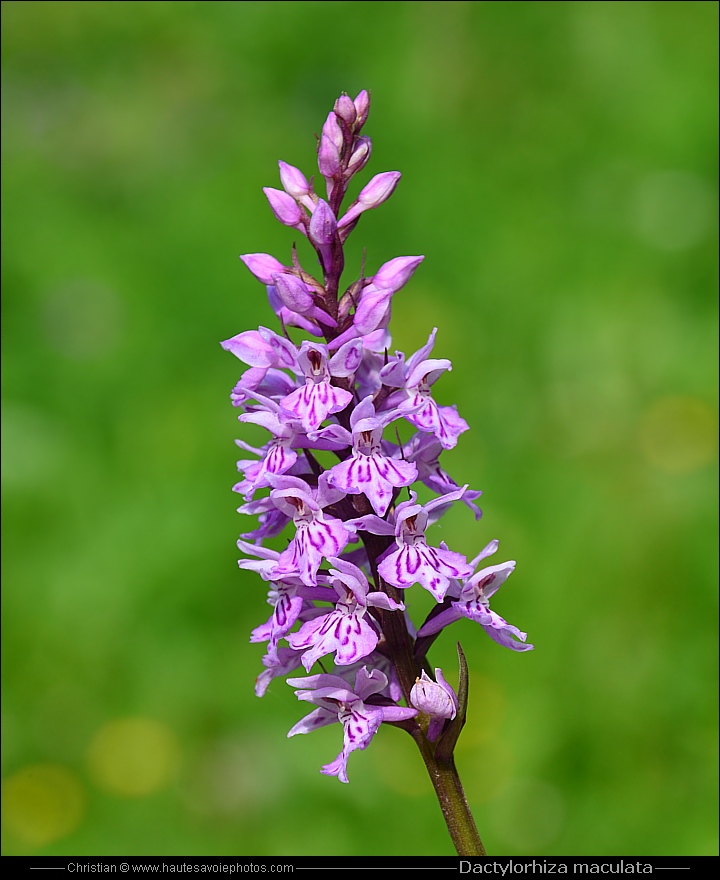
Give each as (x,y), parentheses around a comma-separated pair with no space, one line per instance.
(373,311)
(322,232)
(262,266)
(362,108)
(345,109)
(293,180)
(379,190)
(360,155)
(396,272)
(332,130)
(436,699)
(283,206)
(293,292)
(328,158)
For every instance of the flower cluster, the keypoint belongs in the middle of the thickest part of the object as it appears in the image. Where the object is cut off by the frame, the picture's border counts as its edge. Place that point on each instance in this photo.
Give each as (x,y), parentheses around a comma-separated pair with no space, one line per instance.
(330,475)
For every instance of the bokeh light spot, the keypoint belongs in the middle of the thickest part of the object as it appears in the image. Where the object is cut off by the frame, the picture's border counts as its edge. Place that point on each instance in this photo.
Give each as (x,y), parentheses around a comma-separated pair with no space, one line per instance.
(133,757)
(42,803)
(679,434)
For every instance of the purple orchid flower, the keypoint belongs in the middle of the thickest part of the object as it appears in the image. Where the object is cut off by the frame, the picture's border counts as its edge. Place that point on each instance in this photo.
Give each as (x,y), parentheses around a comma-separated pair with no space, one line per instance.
(279,455)
(264,351)
(369,470)
(336,702)
(347,629)
(318,398)
(473,601)
(317,534)
(414,378)
(276,457)
(289,597)
(414,562)
(291,601)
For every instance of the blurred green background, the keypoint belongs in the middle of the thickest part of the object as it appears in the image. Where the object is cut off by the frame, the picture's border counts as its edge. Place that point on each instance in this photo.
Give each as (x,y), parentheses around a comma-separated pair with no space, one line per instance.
(559,174)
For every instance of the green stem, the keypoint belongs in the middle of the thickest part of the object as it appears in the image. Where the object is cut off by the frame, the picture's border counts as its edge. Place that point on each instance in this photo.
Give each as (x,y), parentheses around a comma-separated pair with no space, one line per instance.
(451,797)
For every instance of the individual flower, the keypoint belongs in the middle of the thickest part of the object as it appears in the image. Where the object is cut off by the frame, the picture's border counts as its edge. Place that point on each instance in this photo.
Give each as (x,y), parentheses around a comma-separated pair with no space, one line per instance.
(318,398)
(280,454)
(413,561)
(347,629)
(316,533)
(436,699)
(291,602)
(336,702)
(369,470)
(413,379)
(472,600)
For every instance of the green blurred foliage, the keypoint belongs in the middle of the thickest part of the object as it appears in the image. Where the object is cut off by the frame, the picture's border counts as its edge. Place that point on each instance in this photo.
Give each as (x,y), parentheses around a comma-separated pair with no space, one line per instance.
(559,174)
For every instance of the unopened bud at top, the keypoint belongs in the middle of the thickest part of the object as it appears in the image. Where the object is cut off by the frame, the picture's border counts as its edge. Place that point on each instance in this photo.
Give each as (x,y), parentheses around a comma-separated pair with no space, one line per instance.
(345,109)
(362,108)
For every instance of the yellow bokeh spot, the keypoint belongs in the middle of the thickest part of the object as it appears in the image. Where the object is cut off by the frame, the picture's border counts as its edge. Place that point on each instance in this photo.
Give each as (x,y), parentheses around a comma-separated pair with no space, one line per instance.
(133,757)
(679,434)
(42,803)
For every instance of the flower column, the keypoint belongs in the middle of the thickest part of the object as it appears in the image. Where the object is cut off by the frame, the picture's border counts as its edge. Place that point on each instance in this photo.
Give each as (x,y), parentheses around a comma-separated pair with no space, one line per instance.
(357,536)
